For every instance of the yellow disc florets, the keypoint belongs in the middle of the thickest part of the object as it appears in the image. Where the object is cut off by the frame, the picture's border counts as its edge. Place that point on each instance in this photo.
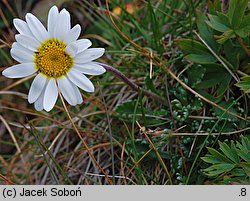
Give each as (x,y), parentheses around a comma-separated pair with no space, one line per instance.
(52,60)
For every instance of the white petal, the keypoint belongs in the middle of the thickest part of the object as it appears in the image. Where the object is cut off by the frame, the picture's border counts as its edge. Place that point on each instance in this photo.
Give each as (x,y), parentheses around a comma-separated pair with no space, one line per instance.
(36,88)
(64,14)
(73,34)
(72,49)
(81,80)
(83,44)
(89,55)
(78,94)
(67,90)
(27,42)
(36,28)
(22,27)
(50,95)
(39,101)
(63,25)
(20,70)
(52,20)
(21,54)
(90,68)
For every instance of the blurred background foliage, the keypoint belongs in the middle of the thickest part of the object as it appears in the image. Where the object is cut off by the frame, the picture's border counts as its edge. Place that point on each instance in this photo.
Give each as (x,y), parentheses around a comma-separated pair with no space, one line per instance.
(194,137)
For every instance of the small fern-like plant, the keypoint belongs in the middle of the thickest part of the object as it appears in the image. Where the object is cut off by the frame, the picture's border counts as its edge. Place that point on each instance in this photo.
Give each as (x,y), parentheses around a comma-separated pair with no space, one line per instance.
(231,163)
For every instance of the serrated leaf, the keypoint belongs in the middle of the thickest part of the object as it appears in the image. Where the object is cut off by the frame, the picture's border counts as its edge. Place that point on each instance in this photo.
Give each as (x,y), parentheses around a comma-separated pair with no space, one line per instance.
(218,155)
(245,156)
(238,172)
(211,159)
(229,153)
(246,143)
(246,168)
(217,169)
(234,152)
(238,168)
(215,75)
(243,149)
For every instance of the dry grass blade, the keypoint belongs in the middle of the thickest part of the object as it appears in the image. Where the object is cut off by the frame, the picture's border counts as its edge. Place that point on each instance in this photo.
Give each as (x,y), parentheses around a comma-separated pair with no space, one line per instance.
(17,83)
(6,180)
(13,137)
(43,149)
(82,140)
(157,153)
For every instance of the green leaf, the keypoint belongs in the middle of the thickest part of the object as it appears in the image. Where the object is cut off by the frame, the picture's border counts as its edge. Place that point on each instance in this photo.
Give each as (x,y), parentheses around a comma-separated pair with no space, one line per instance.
(244,146)
(195,74)
(246,168)
(229,153)
(201,58)
(211,159)
(244,84)
(234,152)
(232,56)
(221,114)
(246,143)
(190,46)
(126,110)
(238,172)
(217,23)
(243,149)
(236,12)
(217,169)
(218,155)
(232,163)
(224,85)
(215,75)
(206,32)
(244,155)
(206,94)
(244,29)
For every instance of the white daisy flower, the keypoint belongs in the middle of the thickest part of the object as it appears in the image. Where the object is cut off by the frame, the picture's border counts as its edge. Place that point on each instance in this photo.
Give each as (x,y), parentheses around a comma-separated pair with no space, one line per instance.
(57,56)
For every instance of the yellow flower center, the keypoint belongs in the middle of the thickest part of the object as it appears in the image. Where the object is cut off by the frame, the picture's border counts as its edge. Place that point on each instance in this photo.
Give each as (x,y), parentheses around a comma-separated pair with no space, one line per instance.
(52,60)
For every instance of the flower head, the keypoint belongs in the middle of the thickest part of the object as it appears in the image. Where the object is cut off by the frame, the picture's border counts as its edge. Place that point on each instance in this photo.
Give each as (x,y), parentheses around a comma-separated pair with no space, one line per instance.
(57,57)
